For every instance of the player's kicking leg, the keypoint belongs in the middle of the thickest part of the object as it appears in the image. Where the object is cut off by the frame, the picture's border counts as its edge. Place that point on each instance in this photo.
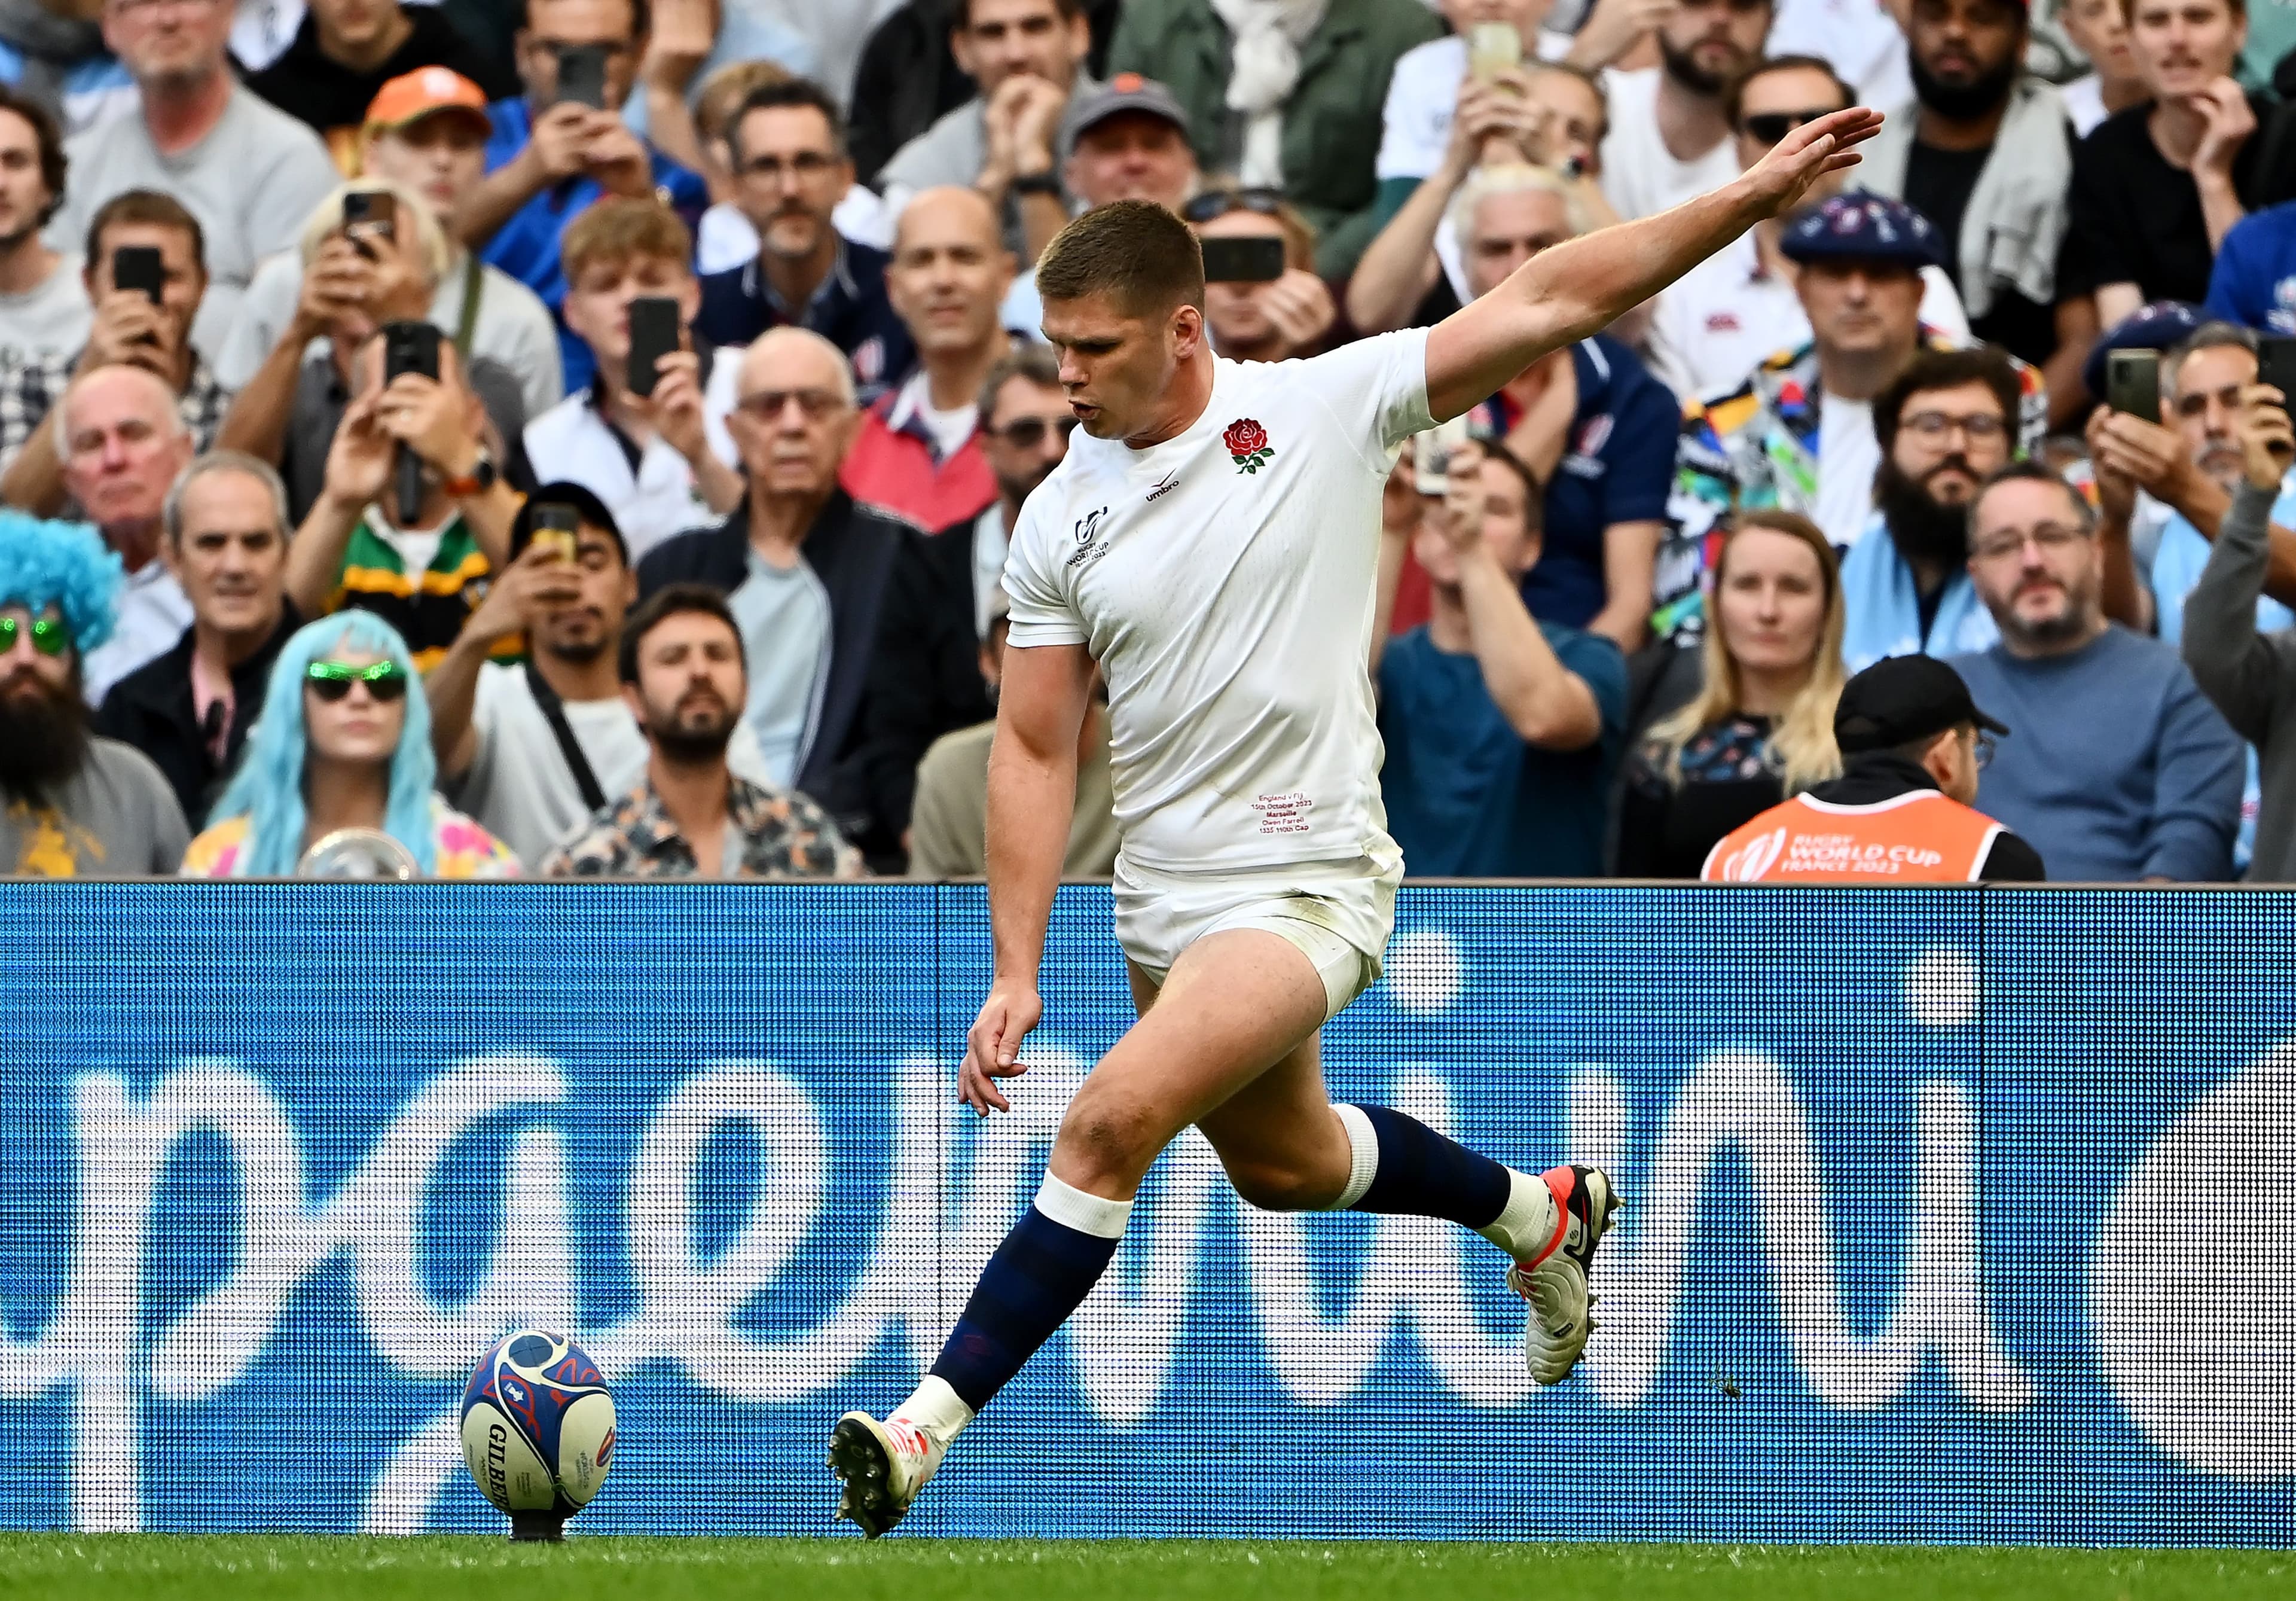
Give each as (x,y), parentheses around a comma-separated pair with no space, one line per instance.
(1239,1007)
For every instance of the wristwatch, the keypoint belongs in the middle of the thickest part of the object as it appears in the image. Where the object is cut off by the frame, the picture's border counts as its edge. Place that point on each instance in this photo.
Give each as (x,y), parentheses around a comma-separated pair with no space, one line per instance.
(1047,182)
(481,478)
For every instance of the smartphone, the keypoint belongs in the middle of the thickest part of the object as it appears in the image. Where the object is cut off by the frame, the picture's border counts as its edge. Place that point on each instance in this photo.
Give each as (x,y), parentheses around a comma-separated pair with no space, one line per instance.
(1253,260)
(653,335)
(2275,365)
(1431,453)
(410,348)
(2132,382)
(139,267)
(556,526)
(582,75)
(1493,48)
(370,212)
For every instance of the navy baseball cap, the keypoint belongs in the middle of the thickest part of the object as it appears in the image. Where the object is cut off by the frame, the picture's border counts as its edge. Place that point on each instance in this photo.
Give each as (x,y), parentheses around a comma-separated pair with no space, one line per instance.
(1901,699)
(1863,227)
(2162,325)
(1125,92)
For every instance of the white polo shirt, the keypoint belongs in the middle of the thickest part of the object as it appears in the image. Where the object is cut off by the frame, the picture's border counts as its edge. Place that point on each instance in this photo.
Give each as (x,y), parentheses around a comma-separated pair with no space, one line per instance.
(1640,178)
(1224,582)
(654,497)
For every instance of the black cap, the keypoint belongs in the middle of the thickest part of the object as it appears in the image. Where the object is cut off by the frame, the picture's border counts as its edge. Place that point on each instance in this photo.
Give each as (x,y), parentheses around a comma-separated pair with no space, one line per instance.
(1901,699)
(587,507)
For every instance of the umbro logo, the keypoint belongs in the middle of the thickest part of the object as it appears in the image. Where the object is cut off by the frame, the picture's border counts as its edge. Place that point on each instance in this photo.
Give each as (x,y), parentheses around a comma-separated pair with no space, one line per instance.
(1171,482)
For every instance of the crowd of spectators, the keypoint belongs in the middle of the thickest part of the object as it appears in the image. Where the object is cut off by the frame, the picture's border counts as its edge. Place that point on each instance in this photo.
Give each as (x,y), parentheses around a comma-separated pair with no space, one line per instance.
(583,436)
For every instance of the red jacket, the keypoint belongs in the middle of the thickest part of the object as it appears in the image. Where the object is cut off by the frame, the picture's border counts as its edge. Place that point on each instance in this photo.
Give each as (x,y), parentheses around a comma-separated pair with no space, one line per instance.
(892,468)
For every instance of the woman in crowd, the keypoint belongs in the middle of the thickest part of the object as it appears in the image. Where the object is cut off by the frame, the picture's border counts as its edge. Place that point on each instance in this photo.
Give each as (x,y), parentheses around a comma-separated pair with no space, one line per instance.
(343,742)
(1760,726)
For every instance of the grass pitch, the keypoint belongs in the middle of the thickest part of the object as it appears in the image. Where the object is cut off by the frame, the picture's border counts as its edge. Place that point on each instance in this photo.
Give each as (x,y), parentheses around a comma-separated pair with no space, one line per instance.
(261,1567)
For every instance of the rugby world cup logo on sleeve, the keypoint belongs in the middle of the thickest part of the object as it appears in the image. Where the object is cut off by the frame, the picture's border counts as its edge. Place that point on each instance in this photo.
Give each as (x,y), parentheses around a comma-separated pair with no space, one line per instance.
(1247,445)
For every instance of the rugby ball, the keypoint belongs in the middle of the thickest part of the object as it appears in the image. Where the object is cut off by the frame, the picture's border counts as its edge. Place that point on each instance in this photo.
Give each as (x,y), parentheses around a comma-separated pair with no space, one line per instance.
(537,1429)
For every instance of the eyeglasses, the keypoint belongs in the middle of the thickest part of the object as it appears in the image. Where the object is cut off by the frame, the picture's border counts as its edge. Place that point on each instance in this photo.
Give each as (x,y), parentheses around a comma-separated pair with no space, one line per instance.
(1214,203)
(1979,428)
(331,681)
(50,636)
(1768,127)
(1983,752)
(1027,433)
(2048,539)
(806,164)
(766,405)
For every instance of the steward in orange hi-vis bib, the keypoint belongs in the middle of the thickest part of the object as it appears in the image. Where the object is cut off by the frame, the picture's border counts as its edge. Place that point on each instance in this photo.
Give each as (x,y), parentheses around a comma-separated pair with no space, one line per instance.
(1912,742)
(1918,837)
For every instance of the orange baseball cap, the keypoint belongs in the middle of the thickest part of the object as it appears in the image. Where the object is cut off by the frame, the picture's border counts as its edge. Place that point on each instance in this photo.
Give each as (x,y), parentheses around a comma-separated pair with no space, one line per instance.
(426,91)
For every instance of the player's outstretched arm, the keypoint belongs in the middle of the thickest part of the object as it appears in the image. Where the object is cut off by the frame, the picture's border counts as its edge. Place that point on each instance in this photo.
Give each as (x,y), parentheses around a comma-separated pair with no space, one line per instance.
(1563,295)
(1032,768)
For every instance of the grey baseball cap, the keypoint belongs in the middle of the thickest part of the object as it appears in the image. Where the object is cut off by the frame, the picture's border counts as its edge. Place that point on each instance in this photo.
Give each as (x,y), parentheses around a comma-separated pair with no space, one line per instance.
(1125,92)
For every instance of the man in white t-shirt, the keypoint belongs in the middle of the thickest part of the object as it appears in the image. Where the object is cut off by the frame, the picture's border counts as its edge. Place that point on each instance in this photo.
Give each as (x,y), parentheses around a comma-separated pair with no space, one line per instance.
(1669,139)
(1211,545)
(663,460)
(530,776)
(1739,306)
(44,304)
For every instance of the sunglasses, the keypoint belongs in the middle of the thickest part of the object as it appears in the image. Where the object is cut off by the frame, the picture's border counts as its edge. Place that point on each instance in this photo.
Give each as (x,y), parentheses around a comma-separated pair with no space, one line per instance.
(50,638)
(331,681)
(766,405)
(1025,433)
(1219,202)
(1768,127)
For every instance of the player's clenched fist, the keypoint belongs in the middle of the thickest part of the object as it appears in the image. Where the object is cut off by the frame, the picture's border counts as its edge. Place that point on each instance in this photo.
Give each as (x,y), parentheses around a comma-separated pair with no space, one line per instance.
(993,1048)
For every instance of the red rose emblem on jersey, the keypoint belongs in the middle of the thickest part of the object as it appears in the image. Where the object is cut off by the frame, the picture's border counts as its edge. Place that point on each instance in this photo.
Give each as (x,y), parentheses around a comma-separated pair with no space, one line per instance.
(1247,445)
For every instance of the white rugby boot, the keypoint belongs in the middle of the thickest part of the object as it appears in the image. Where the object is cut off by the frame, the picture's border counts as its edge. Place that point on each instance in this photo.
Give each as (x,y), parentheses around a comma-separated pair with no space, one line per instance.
(1554,1281)
(881,1467)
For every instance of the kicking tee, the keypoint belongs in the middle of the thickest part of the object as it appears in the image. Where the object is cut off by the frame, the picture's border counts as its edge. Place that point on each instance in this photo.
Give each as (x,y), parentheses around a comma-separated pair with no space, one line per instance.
(1224,581)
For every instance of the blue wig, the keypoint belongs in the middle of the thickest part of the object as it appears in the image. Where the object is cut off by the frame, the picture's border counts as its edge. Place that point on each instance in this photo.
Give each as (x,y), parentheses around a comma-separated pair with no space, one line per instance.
(268,788)
(64,565)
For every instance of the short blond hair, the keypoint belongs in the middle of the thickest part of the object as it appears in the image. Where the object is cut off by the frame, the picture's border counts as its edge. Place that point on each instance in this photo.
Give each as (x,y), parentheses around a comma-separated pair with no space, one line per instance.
(429,239)
(1512,177)
(620,227)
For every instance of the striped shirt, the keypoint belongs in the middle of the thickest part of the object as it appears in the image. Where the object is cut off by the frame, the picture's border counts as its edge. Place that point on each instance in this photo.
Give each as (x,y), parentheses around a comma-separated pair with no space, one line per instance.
(424,585)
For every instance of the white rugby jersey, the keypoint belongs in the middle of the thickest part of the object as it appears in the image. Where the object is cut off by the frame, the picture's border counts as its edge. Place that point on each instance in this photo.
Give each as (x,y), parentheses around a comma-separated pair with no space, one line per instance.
(1224,581)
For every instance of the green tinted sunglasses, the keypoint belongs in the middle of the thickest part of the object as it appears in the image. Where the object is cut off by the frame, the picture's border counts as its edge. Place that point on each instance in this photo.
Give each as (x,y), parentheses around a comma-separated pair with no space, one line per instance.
(50,638)
(332,680)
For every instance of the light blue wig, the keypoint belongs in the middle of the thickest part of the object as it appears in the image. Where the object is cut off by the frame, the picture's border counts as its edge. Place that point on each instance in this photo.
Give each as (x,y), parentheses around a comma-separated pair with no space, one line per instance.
(64,565)
(268,788)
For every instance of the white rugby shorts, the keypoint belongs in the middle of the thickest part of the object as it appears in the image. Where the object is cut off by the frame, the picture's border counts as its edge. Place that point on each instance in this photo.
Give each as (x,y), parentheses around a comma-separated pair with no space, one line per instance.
(1338,915)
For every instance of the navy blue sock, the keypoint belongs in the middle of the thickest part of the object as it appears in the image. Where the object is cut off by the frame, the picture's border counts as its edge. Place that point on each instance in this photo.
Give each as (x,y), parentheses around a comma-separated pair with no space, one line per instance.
(1039,1274)
(1424,1175)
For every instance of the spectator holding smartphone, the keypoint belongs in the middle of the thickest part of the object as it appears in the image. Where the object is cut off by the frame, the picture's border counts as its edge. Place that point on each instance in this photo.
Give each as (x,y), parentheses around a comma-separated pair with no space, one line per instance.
(146,325)
(425,136)
(371,254)
(423,574)
(248,172)
(2248,671)
(1270,320)
(660,460)
(532,751)
(343,742)
(553,153)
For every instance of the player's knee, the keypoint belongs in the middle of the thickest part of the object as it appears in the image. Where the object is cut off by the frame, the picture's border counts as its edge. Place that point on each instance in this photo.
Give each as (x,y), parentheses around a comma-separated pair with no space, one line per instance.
(1110,1135)
(1279,1186)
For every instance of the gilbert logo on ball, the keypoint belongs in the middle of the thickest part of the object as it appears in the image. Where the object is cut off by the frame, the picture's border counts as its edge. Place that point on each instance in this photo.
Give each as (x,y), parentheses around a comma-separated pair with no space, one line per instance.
(538,1430)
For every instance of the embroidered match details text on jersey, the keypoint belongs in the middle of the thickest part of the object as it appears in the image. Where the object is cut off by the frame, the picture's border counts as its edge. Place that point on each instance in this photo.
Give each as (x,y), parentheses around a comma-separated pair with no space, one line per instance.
(1223,580)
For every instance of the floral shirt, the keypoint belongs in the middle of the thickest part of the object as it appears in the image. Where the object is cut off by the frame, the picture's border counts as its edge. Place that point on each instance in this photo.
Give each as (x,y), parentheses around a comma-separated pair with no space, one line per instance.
(461,848)
(771,834)
(1756,448)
